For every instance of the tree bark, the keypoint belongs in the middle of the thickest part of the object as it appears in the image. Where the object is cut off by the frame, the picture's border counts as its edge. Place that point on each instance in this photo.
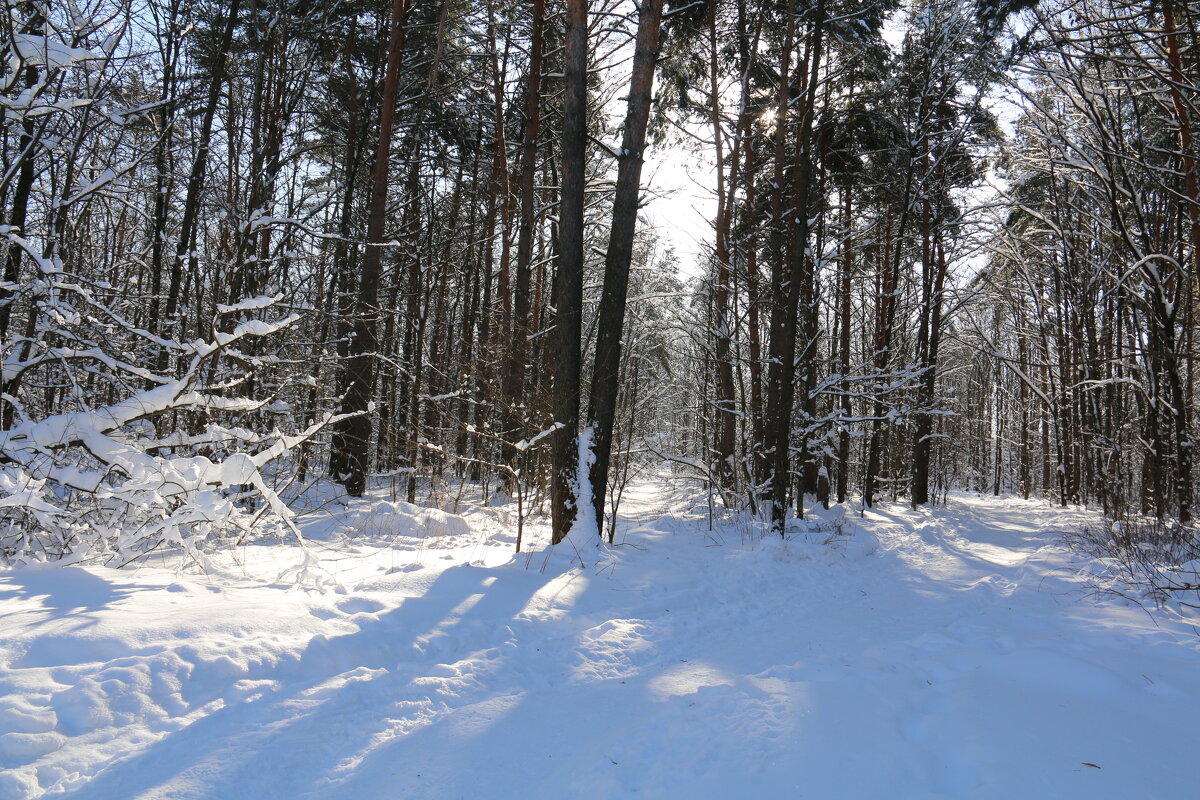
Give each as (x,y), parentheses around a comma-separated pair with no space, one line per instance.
(785,383)
(602,404)
(513,390)
(725,406)
(568,318)
(844,308)
(352,437)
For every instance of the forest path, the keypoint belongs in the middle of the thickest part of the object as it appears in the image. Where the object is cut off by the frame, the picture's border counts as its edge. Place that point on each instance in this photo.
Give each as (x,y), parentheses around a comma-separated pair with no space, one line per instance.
(898,654)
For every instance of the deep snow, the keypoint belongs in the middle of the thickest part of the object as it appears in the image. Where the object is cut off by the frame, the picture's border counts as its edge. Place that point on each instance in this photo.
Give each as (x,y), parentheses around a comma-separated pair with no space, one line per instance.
(945,653)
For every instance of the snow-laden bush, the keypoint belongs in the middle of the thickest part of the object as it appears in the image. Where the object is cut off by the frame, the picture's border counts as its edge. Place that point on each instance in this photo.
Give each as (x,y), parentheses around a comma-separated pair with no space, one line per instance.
(1143,558)
(100,485)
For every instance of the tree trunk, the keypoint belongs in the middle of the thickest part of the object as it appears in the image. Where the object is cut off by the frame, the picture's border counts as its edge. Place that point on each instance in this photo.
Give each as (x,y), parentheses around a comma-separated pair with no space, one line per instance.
(725,405)
(602,404)
(568,318)
(352,437)
(844,308)
(923,432)
(777,417)
(785,351)
(515,406)
(191,207)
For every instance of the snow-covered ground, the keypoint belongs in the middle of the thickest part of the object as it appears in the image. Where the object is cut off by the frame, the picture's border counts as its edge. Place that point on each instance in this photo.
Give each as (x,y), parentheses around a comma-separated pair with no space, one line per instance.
(951,653)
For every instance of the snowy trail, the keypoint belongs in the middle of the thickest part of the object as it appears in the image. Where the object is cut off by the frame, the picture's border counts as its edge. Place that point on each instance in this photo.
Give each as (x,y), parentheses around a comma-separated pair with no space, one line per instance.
(923,654)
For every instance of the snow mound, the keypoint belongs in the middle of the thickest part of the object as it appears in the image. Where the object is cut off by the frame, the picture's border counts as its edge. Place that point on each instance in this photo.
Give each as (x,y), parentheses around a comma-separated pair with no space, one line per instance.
(400,519)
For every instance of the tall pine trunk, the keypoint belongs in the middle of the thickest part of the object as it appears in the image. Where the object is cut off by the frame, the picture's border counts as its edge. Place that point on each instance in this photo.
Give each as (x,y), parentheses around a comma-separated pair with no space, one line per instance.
(352,437)
(602,404)
(785,350)
(568,318)
(516,412)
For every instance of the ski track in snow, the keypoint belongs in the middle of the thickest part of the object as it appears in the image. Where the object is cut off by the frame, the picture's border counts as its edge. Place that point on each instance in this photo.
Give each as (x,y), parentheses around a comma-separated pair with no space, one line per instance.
(950,653)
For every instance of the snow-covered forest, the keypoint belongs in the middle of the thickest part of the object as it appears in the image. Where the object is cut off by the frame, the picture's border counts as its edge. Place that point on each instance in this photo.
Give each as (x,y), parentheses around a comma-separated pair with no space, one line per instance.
(367,430)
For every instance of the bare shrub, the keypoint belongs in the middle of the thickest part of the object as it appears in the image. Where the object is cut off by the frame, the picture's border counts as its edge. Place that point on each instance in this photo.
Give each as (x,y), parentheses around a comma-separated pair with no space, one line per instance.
(1144,558)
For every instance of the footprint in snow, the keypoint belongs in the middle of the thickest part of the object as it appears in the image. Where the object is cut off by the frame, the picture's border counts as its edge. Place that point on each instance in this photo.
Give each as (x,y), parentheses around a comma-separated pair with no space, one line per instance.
(360,605)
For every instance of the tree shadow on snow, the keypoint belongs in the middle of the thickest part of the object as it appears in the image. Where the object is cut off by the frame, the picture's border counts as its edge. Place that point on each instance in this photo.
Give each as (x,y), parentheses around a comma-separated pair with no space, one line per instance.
(65,589)
(336,702)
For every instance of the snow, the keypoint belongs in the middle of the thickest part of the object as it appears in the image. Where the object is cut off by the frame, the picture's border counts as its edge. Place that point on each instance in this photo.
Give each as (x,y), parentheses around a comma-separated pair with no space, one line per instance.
(583,538)
(46,52)
(250,304)
(950,652)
